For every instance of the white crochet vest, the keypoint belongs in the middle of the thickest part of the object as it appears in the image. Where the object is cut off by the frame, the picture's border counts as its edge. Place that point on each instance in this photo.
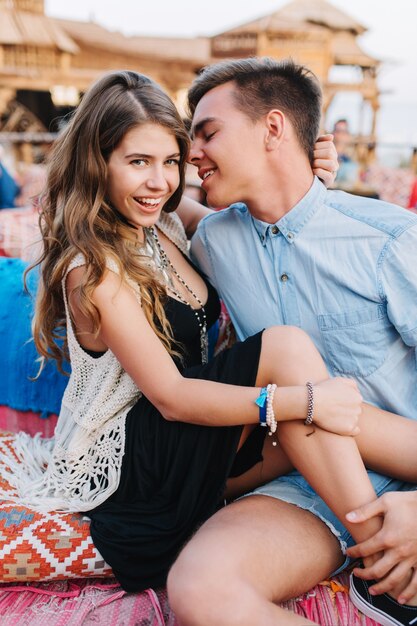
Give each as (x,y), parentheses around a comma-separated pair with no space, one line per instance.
(79,468)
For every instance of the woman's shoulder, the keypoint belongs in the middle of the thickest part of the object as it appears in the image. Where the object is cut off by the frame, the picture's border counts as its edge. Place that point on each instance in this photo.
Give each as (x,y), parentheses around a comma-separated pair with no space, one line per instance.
(112,276)
(171,225)
(79,261)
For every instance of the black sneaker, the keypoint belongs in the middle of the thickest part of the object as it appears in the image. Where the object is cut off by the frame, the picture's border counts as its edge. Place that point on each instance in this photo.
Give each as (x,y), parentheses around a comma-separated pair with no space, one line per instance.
(383,609)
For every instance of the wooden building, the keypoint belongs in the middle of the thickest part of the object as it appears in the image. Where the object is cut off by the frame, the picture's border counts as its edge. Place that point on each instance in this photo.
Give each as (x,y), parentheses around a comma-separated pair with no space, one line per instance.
(316,34)
(46,63)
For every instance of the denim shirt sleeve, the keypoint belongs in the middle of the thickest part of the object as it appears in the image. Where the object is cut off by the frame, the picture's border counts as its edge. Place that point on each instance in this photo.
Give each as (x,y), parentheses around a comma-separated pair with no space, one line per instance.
(397,274)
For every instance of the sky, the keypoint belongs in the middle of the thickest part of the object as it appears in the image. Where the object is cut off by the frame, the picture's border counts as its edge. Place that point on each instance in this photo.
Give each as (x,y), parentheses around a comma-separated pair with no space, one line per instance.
(392,38)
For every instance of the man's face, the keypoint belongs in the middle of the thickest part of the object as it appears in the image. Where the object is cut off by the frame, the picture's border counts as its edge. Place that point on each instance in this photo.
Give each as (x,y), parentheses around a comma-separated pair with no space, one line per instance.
(226,148)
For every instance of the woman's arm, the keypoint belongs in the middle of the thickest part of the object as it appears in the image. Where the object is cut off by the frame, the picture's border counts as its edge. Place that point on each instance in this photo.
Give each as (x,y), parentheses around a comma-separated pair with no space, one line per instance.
(126,331)
(191,212)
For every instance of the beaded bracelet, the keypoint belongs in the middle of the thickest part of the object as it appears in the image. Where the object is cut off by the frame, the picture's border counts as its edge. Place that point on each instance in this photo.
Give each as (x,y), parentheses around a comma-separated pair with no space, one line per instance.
(265,402)
(270,415)
(310,408)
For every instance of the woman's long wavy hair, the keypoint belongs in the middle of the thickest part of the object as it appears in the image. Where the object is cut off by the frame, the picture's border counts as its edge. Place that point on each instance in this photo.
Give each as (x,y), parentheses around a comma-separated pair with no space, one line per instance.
(76,216)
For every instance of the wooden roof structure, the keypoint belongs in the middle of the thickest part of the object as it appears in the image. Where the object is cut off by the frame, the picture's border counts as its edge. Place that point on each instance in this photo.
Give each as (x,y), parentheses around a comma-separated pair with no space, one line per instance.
(32,46)
(39,53)
(314,33)
(322,13)
(171,62)
(32,29)
(44,51)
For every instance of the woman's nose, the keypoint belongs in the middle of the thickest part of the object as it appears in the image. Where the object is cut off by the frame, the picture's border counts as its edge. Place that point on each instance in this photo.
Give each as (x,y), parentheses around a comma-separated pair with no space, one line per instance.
(157,179)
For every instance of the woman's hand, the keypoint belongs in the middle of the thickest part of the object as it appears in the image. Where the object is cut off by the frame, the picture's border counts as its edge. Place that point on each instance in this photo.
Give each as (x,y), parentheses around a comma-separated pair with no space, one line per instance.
(337,406)
(325,164)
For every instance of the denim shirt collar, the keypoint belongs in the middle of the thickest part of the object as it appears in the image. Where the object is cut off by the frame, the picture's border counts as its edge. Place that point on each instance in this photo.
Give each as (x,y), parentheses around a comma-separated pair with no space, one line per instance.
(291,225)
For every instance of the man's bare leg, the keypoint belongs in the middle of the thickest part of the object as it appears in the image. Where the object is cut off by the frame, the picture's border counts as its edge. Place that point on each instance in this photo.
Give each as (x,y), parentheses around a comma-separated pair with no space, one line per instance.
(252,554)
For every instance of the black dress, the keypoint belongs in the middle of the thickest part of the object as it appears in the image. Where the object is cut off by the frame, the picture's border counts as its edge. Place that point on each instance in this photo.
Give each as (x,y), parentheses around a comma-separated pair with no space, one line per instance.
(173,473)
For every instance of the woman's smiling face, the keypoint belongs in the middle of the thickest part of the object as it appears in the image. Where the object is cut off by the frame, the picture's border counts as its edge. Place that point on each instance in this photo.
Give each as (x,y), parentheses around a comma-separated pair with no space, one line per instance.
(143,173)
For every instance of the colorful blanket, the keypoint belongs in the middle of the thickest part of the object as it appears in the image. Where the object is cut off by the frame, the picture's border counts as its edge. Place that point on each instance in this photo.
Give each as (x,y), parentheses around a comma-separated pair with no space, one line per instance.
(83,602)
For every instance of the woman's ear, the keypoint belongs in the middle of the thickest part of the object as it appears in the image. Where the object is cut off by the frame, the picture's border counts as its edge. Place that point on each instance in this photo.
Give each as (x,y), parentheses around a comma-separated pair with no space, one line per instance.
(275,127)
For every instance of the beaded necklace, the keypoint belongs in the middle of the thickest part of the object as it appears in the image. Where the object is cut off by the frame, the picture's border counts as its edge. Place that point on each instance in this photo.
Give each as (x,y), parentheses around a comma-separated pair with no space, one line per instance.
(167,269)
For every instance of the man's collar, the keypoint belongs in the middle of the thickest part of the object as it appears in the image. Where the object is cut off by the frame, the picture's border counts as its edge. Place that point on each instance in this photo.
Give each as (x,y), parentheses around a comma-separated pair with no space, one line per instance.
(294,221)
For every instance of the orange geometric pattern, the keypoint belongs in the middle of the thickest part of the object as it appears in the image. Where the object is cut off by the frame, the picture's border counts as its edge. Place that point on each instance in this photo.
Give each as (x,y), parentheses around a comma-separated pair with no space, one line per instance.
(45,546)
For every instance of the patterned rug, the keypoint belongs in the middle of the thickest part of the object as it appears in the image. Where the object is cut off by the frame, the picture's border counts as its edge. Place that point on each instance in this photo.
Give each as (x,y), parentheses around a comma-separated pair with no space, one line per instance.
(97,602)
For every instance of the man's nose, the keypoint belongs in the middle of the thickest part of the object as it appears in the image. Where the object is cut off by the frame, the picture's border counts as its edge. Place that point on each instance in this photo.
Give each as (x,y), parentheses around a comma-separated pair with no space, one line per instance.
(195,154)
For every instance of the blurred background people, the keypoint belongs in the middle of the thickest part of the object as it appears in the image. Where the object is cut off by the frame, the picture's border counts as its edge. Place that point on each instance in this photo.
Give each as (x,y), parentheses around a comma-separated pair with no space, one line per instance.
(348,173)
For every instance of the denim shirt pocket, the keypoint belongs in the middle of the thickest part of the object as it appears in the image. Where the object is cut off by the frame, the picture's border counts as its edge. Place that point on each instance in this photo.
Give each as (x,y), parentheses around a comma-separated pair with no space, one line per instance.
(357,341)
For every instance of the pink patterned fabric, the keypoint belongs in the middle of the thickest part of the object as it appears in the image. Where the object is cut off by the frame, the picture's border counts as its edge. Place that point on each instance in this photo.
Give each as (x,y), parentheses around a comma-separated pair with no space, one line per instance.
(392,184)
(80,603)
(19,233)
(14,421)
(83,602)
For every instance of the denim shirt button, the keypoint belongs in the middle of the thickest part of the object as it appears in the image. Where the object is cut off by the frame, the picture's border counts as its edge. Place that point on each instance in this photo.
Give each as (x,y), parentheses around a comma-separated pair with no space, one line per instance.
(275,230)
(284,277)
(290,236)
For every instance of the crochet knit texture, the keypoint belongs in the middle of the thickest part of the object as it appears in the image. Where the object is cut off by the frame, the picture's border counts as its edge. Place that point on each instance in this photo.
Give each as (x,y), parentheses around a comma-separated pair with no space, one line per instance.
(79,468)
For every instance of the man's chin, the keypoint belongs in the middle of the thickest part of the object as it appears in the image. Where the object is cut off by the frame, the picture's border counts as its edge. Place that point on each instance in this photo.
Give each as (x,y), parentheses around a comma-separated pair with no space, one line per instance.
(218,201)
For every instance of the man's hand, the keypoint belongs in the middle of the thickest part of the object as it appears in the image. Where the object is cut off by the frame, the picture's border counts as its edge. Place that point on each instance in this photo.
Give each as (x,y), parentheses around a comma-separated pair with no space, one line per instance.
(325,164)
(397,539)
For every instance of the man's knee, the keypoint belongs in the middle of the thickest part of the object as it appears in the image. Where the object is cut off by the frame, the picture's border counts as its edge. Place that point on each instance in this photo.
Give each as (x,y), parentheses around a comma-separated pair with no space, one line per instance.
(202,594)
(183,592)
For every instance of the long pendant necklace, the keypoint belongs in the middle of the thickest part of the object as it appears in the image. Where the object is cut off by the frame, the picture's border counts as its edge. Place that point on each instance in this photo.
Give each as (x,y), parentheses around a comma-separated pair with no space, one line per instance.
(166,266)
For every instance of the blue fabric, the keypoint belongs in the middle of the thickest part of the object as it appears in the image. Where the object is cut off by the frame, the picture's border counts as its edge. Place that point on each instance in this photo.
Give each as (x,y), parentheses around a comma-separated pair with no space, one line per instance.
(293,488)
(339,266)
(18,354)
(8,189)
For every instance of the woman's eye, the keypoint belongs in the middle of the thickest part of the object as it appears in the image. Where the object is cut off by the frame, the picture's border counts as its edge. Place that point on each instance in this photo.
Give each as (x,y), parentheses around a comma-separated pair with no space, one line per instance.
(140,162)
(172,162)
(210,135)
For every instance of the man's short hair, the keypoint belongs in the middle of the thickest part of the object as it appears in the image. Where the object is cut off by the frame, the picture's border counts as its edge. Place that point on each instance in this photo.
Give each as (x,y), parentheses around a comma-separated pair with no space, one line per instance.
(263,84)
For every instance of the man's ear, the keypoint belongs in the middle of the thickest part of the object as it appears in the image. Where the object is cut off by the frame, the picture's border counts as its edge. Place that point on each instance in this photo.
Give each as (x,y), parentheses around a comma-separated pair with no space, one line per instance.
(275,123)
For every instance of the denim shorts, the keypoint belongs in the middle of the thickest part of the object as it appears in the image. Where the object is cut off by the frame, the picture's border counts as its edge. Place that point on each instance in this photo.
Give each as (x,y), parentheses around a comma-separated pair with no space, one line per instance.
(294,489)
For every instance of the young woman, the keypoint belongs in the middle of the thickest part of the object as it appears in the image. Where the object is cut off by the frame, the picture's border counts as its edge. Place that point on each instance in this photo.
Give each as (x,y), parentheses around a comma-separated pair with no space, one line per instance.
(149,430)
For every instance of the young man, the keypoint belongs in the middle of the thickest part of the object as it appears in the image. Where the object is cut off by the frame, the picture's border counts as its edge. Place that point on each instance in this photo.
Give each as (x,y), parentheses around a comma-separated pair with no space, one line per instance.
(340,267)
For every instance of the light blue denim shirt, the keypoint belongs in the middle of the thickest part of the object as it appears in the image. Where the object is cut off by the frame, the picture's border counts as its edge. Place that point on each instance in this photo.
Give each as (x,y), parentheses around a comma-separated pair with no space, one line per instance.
(342,267)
